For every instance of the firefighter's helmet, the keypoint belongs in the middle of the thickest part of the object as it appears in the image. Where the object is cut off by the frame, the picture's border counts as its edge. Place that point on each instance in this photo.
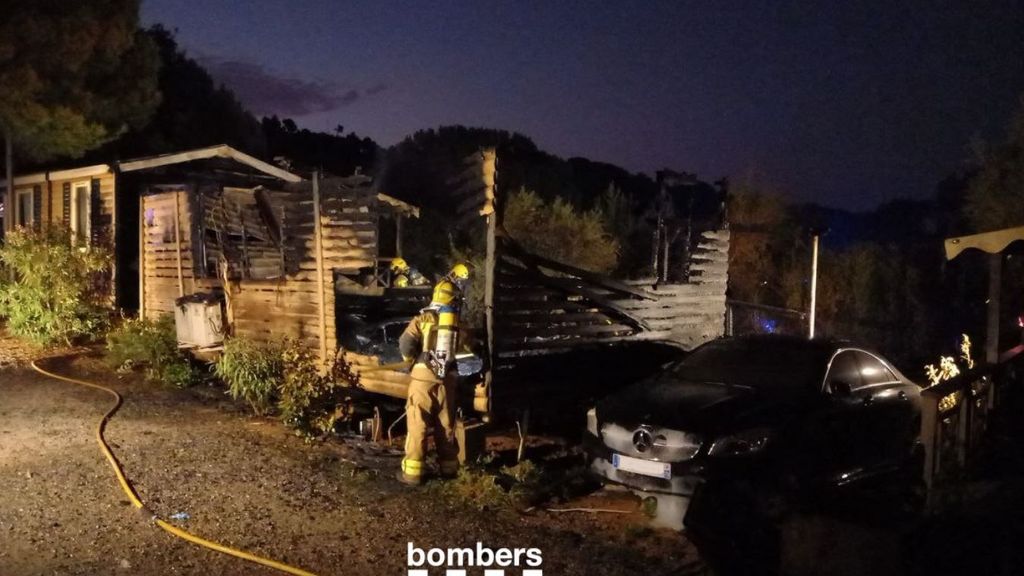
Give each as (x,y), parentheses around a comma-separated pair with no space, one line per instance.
(399,265)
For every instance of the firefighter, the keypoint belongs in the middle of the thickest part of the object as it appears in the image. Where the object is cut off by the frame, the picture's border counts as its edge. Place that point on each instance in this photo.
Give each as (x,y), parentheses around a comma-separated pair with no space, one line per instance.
(403,275)
(431,339)
(399,273)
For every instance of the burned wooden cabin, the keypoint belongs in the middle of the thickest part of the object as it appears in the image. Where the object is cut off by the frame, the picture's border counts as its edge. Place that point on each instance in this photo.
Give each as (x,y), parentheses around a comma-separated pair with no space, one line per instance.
(552,328)
(275,246)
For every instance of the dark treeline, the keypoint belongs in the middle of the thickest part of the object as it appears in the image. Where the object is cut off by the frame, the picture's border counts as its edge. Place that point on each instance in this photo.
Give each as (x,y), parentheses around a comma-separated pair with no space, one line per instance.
(883,275)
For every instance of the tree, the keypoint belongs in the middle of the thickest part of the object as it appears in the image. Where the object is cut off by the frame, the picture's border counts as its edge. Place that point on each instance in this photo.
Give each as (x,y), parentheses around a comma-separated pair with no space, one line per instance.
(194,111)
(759,242)
(995,197)
(75,74)
(557,231)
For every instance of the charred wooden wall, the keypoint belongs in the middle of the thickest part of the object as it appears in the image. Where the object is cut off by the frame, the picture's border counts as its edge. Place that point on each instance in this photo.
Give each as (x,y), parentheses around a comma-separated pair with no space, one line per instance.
(264,309)
(541,307)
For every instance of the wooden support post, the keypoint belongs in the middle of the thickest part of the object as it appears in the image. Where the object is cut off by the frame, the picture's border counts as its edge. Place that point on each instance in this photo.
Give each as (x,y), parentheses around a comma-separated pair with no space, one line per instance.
(398,235)
(318,233)
(177,242)
(490,269)
(995,280)
(814,287)
(142,258)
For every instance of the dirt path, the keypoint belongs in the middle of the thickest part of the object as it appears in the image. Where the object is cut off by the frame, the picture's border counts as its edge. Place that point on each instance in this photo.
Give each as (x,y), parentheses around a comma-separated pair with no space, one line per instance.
(249,483)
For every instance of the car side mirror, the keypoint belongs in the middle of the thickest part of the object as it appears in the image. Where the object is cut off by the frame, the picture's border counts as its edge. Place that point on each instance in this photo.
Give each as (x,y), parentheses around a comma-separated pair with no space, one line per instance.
(841,388)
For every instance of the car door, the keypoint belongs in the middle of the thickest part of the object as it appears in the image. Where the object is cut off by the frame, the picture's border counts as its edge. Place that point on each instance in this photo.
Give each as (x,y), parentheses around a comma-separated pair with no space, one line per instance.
(888,411)
(831,437)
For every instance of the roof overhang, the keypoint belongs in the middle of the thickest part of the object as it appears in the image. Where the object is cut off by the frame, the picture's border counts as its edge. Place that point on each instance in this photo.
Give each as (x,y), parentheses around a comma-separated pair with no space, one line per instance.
(398,206)
(991,242)
(67,174)
(221,151)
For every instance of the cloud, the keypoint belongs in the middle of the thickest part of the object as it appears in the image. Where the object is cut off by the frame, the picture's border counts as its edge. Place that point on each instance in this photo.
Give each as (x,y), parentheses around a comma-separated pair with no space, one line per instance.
(265,91)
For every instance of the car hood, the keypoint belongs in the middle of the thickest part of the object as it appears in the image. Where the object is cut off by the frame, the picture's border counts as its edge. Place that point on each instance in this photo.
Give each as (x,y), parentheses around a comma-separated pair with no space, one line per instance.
(701,407)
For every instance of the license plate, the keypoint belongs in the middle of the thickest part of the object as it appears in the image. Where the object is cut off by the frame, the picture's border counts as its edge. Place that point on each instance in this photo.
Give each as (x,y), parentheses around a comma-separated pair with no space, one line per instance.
(644,467)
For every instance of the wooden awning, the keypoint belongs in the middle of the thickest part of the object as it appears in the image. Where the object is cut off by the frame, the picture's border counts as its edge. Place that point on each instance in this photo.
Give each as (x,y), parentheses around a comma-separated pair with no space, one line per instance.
(991,242)
(398,206)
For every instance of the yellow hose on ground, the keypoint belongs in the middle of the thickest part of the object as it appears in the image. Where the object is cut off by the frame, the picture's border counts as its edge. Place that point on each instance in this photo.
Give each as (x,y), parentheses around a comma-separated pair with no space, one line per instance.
(137,502)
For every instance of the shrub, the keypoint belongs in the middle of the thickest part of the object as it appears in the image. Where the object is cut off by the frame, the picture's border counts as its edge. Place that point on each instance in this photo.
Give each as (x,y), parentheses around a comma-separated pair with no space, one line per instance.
(151,345)
(253,371)
(58,293)
(515,487)
(310,402)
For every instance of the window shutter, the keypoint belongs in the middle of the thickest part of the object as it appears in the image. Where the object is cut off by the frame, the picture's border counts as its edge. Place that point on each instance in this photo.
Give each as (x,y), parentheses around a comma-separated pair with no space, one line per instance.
(37,207)
(97,222)
(66,202)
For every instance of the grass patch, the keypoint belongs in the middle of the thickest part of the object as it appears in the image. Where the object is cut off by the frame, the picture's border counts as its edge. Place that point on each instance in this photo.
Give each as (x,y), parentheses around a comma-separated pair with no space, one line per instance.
(509,488)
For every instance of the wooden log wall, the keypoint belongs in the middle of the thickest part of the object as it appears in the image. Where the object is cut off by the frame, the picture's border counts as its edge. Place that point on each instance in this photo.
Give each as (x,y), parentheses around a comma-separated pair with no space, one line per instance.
(557,310)
(350,215)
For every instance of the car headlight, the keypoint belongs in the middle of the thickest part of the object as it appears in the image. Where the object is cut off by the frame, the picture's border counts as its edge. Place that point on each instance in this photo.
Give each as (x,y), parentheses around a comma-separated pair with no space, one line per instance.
(592,421)
(743,443)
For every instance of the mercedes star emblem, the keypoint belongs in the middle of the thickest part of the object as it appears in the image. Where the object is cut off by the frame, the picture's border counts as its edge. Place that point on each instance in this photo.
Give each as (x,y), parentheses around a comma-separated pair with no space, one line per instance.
(643,440)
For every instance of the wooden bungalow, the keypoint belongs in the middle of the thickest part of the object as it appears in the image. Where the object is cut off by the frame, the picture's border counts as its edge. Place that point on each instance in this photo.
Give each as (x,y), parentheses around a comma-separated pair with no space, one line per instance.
(272,242)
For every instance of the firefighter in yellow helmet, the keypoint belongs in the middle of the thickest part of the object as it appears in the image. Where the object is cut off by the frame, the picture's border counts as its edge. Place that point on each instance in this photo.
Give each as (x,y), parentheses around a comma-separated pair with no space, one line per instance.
(431,339)
(403,275)
(399,273)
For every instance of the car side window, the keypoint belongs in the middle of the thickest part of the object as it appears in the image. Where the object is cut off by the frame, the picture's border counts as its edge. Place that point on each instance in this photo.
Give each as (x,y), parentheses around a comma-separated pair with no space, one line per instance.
(844,374)
(872,371)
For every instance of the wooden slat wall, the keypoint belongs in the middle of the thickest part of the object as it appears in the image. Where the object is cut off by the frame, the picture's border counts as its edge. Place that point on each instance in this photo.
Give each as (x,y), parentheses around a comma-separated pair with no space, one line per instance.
(539,317)
(160,253)
(350,214)
(226,213)
(266,309)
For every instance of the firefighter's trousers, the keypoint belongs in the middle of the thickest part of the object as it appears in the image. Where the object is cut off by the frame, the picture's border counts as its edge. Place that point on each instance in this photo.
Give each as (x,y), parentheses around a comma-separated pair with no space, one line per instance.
(430,404)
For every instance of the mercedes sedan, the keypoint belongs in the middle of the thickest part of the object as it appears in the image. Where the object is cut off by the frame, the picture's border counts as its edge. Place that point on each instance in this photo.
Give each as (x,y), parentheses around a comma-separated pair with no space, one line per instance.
(773,413)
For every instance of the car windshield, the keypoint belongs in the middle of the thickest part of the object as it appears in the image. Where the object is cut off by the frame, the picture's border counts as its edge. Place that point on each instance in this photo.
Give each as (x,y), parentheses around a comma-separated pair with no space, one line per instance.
(757,364)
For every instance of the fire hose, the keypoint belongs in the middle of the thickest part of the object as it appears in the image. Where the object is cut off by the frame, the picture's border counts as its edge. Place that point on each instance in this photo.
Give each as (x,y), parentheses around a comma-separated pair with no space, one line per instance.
(137,502)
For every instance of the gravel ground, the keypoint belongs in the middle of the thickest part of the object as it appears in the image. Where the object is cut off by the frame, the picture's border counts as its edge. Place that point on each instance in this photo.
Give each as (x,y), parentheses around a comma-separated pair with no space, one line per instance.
(332,508)
(14,352)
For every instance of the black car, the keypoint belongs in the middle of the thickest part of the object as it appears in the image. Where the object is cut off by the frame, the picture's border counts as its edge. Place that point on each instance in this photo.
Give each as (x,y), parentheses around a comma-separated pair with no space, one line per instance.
(803,416)
(381,339)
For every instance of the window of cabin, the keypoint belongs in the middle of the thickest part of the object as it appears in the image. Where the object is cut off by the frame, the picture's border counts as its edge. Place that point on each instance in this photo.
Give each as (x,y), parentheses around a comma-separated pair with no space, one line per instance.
(24,208)
(81,193)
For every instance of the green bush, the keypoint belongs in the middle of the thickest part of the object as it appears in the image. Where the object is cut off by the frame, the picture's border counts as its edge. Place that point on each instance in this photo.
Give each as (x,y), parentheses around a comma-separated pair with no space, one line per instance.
(310,403)
(151,345)
(253,371)
(57,293)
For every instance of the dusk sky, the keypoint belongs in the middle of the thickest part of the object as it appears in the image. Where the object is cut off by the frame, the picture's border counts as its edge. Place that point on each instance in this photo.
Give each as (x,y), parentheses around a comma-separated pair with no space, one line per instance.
(845,103)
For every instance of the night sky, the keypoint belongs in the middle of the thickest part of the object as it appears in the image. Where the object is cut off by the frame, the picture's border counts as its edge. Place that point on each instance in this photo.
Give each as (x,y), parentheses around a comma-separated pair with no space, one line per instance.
(837,102)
